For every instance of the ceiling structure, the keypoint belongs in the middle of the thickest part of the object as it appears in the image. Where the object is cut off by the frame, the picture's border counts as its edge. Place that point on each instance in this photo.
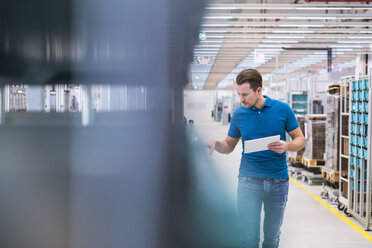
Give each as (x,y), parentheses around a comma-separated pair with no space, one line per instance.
(280,38)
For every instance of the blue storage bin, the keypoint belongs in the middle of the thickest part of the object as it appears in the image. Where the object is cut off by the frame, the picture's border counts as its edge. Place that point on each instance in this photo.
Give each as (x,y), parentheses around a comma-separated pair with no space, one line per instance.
(359,118)
(299,106)
(360,85)
(301,97)
(353,117)
(352,128)
(365,107)
(351,173)
(354,85)
(365,118)
(353,95)
(365,142)
(358,140)
(366,84)
(360,95)
(354,107)
(360,107)
(366,95)
(358,129)
(358,162)
(358,152)
(365,153)
(301,112)
(352,139)
(352,150)
(352,160)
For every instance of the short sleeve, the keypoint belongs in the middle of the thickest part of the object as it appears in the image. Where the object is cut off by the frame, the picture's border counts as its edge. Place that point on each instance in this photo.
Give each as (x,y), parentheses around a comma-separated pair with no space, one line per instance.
(234,131)
(291,122)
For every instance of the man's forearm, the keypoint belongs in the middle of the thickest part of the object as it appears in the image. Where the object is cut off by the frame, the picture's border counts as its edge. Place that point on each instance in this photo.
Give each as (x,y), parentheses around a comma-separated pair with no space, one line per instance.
(296,144)
(223,147)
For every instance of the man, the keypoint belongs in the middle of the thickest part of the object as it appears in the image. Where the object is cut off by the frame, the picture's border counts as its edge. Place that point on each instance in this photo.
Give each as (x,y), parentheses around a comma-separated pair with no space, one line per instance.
(263,175)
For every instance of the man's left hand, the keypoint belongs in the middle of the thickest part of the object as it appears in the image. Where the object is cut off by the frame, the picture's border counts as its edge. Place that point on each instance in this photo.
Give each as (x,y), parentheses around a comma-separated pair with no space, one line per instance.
(278,146)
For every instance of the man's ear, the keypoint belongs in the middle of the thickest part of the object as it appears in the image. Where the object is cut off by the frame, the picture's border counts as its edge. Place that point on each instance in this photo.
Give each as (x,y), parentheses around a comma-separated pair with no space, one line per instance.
(259,90)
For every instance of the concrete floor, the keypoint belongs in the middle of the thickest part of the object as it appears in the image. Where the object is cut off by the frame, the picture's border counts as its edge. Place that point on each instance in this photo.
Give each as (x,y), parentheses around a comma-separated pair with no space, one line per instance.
(307,223)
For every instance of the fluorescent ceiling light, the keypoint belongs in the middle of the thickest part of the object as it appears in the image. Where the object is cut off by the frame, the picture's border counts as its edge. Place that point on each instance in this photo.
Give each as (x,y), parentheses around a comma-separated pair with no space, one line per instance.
(293,31)
(211,41)
(323,8)
(218,17)
(279,41)
(214,31)
(312,17)
(204,52)
(215,36)
(206,45)
(206,49)
(266,45)
(345,49)
(353,41)
(221,8)
(269,50)
(284,37)
(301,25)
(325,36)
(216,25)
(347,46)
(359,37)
(251,36)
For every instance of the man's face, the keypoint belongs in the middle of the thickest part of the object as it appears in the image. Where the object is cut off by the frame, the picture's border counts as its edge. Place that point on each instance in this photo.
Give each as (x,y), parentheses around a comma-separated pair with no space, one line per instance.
(248,97)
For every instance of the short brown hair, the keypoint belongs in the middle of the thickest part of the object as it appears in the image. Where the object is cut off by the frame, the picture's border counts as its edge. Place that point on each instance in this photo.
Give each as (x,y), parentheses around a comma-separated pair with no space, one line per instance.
(251,76)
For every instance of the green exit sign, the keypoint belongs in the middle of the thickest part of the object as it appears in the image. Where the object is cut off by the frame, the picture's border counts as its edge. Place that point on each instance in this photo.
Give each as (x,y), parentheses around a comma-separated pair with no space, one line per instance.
(202,36)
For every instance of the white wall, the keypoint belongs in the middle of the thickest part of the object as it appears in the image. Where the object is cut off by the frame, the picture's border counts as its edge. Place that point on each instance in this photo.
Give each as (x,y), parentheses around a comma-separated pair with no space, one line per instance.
(198,104)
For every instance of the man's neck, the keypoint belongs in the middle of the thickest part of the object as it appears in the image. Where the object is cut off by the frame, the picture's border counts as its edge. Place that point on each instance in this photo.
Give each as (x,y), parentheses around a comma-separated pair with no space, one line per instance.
(261,101)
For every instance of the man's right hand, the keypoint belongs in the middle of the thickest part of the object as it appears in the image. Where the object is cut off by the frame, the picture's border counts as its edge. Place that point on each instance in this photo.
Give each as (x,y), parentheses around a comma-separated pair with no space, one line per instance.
(211,145)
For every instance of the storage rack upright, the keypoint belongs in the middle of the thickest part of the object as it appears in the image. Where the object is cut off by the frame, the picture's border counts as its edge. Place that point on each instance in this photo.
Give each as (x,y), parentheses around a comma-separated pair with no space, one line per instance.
(359,171)
(344,142)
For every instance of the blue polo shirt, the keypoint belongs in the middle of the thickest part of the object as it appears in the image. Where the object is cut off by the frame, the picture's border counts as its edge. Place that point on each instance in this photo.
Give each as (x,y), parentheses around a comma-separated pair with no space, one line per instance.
(274,118)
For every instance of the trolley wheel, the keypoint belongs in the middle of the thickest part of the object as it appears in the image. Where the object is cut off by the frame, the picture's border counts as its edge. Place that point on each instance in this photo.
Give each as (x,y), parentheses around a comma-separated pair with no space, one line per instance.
(346,211)
(303,178)
(341,206)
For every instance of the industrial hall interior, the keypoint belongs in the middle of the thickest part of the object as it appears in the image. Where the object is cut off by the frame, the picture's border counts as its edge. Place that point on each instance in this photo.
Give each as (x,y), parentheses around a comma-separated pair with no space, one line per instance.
(188,124)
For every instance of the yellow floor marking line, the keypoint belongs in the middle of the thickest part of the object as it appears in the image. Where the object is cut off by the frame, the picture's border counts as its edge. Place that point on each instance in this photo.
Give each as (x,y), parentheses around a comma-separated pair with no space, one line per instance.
(338,214)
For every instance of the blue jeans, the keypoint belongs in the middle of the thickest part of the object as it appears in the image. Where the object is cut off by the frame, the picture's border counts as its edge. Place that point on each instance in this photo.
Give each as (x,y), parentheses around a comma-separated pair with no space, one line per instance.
(252,193)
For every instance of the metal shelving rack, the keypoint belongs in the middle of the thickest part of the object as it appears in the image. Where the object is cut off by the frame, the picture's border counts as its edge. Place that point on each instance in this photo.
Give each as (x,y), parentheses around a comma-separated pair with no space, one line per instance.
(344,141)
(299,101)
(359,161)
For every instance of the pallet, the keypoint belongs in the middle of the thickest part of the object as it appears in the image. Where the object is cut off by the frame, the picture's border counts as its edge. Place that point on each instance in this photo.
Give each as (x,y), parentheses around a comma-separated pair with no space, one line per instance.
(316,117)
(330,175)
(296,160)
(313,162)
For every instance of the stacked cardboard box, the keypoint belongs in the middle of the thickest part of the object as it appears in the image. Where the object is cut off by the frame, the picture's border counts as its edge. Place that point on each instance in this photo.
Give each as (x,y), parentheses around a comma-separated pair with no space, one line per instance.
(315,126)
(332,128)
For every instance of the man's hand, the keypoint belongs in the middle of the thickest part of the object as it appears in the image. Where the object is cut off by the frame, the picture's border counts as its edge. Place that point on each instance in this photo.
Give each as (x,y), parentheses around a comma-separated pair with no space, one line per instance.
(211,145)
(278,146)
